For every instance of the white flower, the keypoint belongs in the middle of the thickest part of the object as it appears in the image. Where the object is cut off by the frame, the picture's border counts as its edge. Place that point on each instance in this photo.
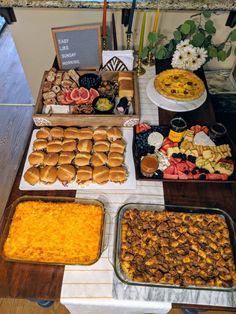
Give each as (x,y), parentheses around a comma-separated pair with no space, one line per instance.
(193,64)
(183,44)
(189,52)
(178,60)
(201,54)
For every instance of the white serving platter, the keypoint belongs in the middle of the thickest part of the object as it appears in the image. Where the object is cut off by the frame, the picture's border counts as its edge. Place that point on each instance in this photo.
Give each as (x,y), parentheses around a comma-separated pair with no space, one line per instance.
(170,104)
(129,164)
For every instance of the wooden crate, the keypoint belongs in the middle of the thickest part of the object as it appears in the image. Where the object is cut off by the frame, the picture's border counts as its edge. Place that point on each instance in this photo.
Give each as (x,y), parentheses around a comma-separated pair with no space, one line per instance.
(52,119)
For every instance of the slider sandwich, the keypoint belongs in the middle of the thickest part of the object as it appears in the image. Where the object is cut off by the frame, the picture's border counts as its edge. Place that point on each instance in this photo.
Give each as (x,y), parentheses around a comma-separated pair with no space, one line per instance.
(114,134)
(100,134)
(71,133)
(36,158)
(68,145)
(82,159)
(43,133)
(101,146)
(54,146)
(98,159)
(118,175)
(84,175)
(48,174)
(85,146)
(115,159)
(66,173)
(57,133)
(85,134)
(51,159)
(118,146)
(101,174)
(31,176)
(66,158)
(39,144)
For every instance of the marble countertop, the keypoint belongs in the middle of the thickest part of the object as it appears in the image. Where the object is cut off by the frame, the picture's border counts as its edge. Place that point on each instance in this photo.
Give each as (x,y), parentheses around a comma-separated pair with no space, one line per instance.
(114,4)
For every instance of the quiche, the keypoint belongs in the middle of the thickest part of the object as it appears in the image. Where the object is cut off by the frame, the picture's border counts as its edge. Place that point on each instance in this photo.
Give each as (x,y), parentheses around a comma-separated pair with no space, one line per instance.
(179,84)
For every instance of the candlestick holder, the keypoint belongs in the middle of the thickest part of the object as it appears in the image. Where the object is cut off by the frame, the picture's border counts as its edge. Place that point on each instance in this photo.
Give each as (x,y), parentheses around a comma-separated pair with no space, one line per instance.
(139,69)
(128,37)
(150,61)
(104,43)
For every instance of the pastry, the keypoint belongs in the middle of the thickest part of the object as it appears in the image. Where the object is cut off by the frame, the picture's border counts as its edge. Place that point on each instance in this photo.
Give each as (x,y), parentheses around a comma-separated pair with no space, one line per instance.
(66,173)
(179,84)
(85,146)
(57,133)
(71,133)
(32,175)
(66,158)
(124,75)
(118,146)
(48,174)
(101,146)
(54,146)
(115,159)
(100,134)
(126,88)
(114,134)
(36,158)
(149,164)
(43,133)
(98,159)
(51,159)
(84,174)
(118,174)
(101,174)
(39,144)
(82,159)
(68,145)
(85,134)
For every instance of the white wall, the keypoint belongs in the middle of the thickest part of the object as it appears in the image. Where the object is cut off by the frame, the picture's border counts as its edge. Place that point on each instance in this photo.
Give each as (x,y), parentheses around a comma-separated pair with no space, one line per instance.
(32,34)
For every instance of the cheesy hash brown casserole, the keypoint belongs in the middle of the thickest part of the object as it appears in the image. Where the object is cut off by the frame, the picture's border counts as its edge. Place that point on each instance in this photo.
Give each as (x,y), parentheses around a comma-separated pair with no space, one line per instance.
(68,233)
(176,249)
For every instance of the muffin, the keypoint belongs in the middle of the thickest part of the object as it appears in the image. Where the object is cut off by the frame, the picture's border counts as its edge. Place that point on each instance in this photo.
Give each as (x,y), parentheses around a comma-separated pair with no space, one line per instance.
(149,165)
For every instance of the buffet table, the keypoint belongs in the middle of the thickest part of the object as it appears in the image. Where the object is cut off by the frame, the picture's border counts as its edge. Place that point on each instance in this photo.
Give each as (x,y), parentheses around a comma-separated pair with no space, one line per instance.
(96,288)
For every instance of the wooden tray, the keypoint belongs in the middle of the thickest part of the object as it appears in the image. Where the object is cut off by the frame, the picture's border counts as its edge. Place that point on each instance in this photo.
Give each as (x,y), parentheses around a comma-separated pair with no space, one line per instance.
(164,130)
(41,119)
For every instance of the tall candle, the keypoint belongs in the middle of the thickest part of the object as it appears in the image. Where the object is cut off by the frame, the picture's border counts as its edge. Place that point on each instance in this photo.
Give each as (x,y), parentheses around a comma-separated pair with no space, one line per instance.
(114,31)
(156,20)
(104,19)
(142,35)
(131,16)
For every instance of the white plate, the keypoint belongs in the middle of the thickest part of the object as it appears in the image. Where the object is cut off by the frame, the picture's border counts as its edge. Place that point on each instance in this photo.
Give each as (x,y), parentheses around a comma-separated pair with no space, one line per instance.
(170,104)
(129,164)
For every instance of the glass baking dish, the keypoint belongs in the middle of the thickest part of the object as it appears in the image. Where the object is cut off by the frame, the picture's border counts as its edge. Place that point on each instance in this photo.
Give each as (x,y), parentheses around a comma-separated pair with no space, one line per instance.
(102,245)
(123,277)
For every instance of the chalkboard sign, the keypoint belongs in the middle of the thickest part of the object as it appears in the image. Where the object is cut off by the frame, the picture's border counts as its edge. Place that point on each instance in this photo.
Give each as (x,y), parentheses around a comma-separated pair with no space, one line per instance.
(78,46)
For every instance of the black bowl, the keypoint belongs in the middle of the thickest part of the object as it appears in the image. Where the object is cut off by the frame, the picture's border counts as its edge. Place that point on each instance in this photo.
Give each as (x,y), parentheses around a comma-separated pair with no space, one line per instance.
(108,111)
(90,80)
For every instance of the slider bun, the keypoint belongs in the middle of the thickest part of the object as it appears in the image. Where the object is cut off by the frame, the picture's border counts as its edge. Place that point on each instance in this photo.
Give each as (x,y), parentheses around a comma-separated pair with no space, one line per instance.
(43,133)
(115,159)
(114,134)
(118,146)
(98,159)
(82,159)
(48,174)
(68,145)
(85,134)
(84,174)
(39,144)
(71,133)
(118,174)
(51,159)
(100,134)
(101,146)
(54,146)
(31,176)
(66,173)
(101,174)
(57,132)
(85,146)
(36,158)
(66,158)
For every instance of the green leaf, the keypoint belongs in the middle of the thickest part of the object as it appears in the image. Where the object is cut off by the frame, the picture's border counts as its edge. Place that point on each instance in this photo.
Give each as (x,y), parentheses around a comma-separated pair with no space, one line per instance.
(235,51)
(233,35)
(192,26)
(144,53)
(198,39)
(161,53)
(153,51)
(210,28)
(206,14)
(221,47)
(229,52)
(185,28)
(152,37)
(222,55)
(177,35)
(171,46)
(212,52)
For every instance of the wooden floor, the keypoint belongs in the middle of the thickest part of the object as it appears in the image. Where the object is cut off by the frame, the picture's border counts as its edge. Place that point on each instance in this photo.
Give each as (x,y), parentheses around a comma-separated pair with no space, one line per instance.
(14,88)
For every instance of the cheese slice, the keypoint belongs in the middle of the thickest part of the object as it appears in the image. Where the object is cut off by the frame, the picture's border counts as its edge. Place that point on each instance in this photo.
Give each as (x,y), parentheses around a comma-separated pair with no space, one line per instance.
(202,139)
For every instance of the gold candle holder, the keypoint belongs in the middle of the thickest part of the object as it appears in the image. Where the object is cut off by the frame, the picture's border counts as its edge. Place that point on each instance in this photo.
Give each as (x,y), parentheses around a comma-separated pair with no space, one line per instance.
(104,44)
(128,37)
(139,69)
(150,61)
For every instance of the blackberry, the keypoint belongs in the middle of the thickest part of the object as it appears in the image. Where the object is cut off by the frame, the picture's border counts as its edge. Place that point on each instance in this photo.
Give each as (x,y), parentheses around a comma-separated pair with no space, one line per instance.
(151,149)
(194,171)
(184,156)
(174,155)
(179,155)
(191,159)
(186,171)
(202,177)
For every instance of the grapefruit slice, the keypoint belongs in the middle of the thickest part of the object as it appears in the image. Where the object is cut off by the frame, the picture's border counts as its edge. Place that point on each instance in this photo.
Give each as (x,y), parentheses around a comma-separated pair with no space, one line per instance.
(84,94)
(75,94)
(93,94)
